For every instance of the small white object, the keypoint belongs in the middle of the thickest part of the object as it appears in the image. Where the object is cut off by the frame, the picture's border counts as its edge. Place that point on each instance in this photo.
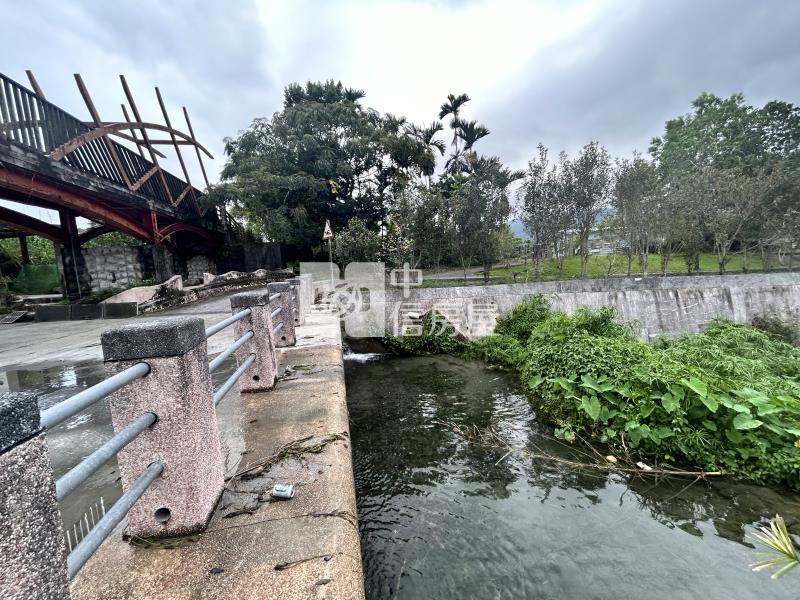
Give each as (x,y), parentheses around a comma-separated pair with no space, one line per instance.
(643,466)
(414,315)
(283,490)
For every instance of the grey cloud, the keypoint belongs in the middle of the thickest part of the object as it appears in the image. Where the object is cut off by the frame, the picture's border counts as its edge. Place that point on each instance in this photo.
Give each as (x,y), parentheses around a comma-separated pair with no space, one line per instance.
(634,71)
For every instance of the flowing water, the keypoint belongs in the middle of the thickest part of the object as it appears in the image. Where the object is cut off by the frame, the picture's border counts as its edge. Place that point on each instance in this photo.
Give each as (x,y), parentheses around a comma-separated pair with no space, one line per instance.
(443,518)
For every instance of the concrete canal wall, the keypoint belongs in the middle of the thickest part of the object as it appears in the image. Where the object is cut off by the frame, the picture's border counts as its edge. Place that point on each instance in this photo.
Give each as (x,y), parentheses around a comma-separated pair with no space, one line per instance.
(661,305)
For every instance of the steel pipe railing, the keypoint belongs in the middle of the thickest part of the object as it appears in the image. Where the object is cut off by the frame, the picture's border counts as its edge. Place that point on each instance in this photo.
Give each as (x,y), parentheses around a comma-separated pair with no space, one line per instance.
(275,312)
(214,364)
(83,551)
(226,387)
(81,472)
(225,323)
(71,406)
(277,328)
(273,297)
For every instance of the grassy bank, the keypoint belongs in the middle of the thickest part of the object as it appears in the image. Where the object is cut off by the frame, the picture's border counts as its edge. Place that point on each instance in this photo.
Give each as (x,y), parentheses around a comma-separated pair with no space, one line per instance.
(727,399)
(617,265)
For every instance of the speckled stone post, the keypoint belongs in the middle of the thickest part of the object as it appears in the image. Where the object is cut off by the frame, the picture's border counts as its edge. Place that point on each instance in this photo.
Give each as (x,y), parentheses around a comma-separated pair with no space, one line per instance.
(307,285)
(185,437)
(297,305)
(284,337)
(260,375)
(32,551)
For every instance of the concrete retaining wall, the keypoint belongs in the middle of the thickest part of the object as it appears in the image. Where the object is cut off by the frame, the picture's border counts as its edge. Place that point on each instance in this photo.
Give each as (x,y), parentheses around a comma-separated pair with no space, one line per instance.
(668,305)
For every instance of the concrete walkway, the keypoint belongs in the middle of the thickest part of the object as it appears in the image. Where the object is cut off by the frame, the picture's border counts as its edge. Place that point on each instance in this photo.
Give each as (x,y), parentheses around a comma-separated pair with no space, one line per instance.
(256,547)
(45,344)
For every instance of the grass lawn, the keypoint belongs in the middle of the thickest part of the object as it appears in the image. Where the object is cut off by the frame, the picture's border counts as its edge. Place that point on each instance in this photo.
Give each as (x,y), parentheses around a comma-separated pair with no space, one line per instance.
(598,266)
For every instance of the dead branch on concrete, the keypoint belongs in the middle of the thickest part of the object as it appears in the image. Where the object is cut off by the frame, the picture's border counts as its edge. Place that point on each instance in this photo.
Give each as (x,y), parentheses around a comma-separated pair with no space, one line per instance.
(294,449)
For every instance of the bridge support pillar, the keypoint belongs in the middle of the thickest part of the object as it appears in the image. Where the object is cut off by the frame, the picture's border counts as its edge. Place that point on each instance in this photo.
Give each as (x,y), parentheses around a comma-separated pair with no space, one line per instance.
(33,556)
(74,274)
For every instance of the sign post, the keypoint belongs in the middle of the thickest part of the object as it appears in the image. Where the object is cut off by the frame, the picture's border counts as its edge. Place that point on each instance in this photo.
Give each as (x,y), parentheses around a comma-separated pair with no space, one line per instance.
(327,234)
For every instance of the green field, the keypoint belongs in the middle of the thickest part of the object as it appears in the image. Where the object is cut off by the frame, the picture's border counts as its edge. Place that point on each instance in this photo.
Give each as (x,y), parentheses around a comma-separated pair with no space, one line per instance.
(617,264)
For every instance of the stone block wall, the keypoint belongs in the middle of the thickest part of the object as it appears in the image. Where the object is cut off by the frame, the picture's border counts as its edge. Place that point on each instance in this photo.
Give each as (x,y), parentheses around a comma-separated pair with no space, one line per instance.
(196,266)
(118,267)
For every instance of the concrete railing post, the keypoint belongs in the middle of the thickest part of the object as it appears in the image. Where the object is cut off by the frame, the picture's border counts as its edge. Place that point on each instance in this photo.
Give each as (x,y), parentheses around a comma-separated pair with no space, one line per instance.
(261,374)
(32,551)
(297,304)
(307,285)
(185,437)
(285,336)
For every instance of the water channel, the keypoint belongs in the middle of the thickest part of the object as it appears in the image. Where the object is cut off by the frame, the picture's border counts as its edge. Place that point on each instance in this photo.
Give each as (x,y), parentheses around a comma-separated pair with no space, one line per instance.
(443,518)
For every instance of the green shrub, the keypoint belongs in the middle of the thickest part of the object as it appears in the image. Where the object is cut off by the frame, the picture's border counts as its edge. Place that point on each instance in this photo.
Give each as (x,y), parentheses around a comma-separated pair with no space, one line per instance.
(778,329)
(727,399)
(521,320)
(438,336)
(502,350)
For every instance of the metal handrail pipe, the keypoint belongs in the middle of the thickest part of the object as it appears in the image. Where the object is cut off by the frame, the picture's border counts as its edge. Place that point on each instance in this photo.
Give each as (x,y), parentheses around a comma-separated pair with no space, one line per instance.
(62,411)
(226,387)
(214,364)
(273,297)
(275,312)
(226,322)
(83,551)
(67,483)
(277,328)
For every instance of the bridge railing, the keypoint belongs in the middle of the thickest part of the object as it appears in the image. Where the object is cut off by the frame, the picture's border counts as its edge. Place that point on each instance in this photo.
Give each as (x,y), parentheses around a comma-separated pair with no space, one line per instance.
(31,121)
(166,440)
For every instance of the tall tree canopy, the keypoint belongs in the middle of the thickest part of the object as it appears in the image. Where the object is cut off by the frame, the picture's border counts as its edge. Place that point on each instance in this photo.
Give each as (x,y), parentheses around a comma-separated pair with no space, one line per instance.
(324,156)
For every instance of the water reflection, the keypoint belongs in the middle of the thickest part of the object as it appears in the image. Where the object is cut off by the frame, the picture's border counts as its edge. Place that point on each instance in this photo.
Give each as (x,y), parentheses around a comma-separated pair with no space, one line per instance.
(443,518)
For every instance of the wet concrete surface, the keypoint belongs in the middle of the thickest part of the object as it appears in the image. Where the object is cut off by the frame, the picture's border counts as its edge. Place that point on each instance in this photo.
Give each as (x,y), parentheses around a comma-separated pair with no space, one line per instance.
(257,546)
(64,342)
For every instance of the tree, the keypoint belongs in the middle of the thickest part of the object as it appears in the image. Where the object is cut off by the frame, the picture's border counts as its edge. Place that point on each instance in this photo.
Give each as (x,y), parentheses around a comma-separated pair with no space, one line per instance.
(587,183)
(427,135)
(356,243)
(637,193)
(482,208)
(453,108)
(324,156)
(729,200)
(543,212)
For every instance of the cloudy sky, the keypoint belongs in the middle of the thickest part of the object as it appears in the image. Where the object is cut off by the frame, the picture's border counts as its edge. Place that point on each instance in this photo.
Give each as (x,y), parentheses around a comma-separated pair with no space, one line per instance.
(560,72)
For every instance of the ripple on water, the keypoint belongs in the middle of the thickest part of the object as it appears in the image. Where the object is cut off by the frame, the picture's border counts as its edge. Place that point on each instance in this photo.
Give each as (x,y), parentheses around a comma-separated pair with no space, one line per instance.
(443,519)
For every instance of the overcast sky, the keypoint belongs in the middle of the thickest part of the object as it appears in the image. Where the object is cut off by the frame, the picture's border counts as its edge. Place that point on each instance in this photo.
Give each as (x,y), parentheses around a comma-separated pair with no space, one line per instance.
(560,72)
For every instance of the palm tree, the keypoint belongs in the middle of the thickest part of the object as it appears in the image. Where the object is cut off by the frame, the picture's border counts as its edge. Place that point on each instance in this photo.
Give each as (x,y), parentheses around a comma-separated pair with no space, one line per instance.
(453,107)
(458,162)
(470,132)
(427,135)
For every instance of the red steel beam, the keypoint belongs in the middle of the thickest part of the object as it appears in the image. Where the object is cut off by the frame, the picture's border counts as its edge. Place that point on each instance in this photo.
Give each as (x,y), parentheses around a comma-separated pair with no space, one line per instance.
(27,224)
(175,227)
(93,210)
(102,130)
(92,233)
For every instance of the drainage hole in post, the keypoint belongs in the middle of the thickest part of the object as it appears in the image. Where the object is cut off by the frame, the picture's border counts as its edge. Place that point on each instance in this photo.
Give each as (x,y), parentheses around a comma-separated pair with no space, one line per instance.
(256,378)
(162,515)
(283,338)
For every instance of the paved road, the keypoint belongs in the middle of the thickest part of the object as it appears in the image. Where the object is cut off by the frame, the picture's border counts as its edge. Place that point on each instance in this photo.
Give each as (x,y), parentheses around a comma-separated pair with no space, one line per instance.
(44,344)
